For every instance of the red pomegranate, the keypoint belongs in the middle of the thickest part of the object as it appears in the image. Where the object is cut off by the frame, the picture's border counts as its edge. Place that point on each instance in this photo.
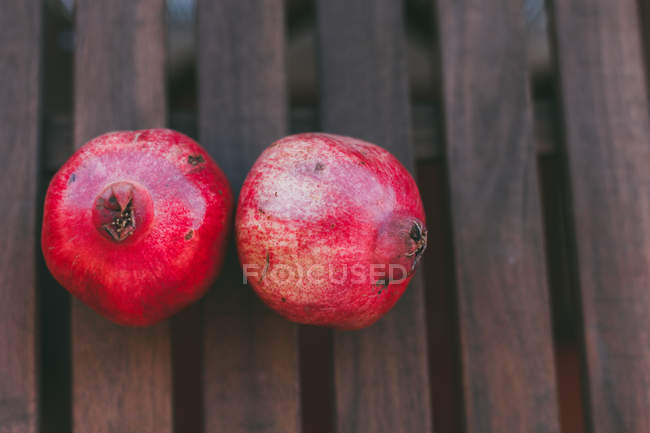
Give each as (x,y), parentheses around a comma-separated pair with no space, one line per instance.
(135,223)
(329,229)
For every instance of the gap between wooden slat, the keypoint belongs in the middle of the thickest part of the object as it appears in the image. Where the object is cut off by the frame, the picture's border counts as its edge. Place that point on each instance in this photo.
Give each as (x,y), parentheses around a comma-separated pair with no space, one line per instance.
(186,326)
(441,302)
(563,291)
(316,380)
(56,405)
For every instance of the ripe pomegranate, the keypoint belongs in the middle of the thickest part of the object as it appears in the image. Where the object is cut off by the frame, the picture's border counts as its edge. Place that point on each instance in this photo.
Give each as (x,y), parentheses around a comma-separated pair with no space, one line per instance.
(329,229)
(135,223)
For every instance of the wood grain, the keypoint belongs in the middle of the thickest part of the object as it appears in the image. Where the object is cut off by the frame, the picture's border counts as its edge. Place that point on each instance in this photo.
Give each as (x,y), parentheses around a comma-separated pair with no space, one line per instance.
(380,373)
(250,354)
(20,46)
(607,139)
(504,314)
(645,29)
(121,377)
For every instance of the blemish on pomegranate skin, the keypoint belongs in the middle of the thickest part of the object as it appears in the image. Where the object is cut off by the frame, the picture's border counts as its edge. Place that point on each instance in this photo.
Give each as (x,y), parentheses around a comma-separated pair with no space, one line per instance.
(284,299)
(72,179)
(195,159)
(319,167)
(189,235)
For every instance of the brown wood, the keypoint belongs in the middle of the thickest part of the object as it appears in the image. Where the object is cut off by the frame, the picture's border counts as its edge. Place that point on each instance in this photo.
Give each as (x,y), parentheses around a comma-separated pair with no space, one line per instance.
(250,354)
(20,43)
(607,140)
(426,133)
(504,315)
(380,373)
(645,29)
(121,377)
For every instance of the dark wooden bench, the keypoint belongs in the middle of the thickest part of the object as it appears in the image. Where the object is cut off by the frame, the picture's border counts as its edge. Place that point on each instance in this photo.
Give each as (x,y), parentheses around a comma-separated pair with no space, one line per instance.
(476,350)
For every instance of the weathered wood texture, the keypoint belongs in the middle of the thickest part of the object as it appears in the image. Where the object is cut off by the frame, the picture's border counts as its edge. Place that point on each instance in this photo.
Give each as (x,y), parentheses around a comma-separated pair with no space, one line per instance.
(121,377)
(607,140)
(380,374)
(504,315)
(20,42)
(250,354)
(645,29)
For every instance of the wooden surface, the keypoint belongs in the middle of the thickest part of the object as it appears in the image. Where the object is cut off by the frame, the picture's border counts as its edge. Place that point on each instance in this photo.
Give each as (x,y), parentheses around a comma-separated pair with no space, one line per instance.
(250,353)
(121,377)
(607,139)
(20,42)
(645,29)
(488,295)
(381,380)
(504,315)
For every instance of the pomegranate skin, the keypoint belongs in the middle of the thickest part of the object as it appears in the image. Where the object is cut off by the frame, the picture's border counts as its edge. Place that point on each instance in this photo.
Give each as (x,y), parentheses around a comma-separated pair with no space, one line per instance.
(321,219)
(135,224)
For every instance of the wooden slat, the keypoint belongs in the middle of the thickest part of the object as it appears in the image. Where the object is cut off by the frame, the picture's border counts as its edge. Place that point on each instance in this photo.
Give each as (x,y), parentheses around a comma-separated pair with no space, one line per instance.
(504,315)
(380,373)
(20,45)
(645,29)
(121,377)
(607,139)
(250,354)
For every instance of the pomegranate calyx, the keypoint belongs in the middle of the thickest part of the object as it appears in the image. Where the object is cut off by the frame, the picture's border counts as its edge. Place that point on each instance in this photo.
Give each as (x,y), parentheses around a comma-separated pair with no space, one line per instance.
(123,224)
(115,210)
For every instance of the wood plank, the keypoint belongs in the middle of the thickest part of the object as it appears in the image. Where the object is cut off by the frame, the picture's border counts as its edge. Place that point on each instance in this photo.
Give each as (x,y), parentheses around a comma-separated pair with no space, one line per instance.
(380,373)
(607,139)
(645,29)
(121,377)
(504,314)
(250,353)
(20,46)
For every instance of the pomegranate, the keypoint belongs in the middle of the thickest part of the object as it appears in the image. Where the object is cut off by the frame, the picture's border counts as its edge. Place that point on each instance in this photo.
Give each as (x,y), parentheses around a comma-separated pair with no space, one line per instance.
(329,229)
(135,223)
